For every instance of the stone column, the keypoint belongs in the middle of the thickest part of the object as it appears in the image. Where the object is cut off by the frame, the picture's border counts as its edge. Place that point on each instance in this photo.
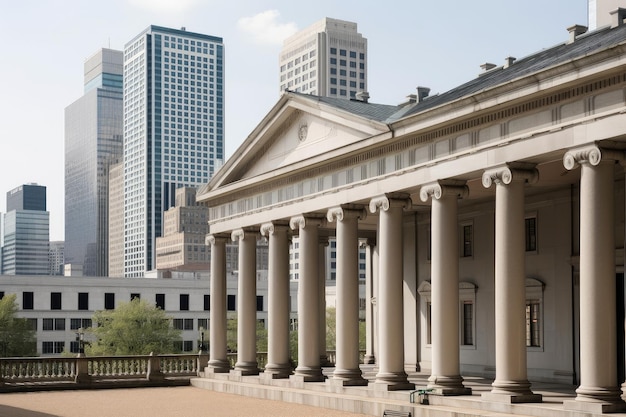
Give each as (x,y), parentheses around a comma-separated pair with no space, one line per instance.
(278,365)
(323,244)
(445,378)
(599,391)
(246,303)
(511,384)
(308,369)
(347,371)
(218,362)
(391,374)
(370,351)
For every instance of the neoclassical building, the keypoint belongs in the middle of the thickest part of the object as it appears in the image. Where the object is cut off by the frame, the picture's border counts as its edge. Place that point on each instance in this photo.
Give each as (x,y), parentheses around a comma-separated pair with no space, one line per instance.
(494,221)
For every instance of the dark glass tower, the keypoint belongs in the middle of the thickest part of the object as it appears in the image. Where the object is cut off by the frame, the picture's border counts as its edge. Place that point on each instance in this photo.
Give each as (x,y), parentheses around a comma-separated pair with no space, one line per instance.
(93,142)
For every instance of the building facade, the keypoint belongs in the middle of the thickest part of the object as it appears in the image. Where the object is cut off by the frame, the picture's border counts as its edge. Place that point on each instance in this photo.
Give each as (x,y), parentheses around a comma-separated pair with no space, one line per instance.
(56,258)
(328,59)
(494,220)
(58,307)
(26,232)
(173,129)
(93,142)
(116,220)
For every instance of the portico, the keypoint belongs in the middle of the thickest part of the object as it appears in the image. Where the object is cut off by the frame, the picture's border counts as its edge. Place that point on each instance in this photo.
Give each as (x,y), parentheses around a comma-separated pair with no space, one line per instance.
(494,215)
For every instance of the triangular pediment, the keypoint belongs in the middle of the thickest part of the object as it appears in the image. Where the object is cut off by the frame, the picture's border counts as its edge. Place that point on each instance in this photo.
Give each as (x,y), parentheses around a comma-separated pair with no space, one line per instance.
(297,132)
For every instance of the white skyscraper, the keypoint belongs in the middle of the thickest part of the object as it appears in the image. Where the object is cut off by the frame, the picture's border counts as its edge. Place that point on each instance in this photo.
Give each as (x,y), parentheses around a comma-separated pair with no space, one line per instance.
(329,59)
(173,129)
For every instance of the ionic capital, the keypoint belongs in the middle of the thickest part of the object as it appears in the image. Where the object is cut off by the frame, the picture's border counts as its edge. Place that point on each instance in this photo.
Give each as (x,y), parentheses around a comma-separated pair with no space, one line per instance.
(217,239)
(512,171)
(444,188)
(340,212)
(590,154)
(386,201)
(268,229)
(302,221)
(241,234)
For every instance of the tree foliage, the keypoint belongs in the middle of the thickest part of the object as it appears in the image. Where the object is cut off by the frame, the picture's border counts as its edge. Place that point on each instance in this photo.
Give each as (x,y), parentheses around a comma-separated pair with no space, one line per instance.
(17,337)
(331,330)
(133,328)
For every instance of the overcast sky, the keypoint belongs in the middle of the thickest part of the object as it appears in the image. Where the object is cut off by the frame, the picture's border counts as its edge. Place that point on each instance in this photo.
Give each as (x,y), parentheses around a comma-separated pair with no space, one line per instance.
(437,44)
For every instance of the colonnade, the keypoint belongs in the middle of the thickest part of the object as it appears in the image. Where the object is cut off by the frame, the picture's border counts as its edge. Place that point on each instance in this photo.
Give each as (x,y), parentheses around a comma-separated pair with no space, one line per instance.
(598,357)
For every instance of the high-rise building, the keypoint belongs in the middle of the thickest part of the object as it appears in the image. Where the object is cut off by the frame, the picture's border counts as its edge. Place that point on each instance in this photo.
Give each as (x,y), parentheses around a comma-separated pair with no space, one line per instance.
(173,129)
(93,141)
(116,220)
(56,258)
(26,232)
(329,59)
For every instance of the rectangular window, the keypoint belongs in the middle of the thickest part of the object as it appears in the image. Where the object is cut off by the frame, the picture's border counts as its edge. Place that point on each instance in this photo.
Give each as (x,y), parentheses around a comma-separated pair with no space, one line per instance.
(468,323)
(184,302)
(48,324)
(55,301)
(468,238)
(259,303)
(207,302)
(59,347)
(75,324)
(32,323)
(231,302)
(203,324)
(178,324)
(160,301)
(187,345)
(533,323)
(59,324)
(27,300)
(188,324)
(135,295)
(47,347)
(429,323)
(531,234)
(83,301)
(74,346)
(109,301)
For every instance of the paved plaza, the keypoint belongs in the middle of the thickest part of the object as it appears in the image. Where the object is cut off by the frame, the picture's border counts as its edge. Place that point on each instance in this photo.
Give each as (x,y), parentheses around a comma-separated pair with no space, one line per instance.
(152,402)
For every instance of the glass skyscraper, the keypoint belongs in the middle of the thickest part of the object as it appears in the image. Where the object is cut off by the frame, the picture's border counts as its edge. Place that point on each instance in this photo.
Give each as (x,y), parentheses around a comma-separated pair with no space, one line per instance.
(93,142)
(26,232)
(173,129)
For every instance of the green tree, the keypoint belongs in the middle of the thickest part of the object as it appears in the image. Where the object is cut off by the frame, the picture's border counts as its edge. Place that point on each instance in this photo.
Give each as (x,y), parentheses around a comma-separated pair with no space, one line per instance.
(331,330)
(133,328)
(17,337)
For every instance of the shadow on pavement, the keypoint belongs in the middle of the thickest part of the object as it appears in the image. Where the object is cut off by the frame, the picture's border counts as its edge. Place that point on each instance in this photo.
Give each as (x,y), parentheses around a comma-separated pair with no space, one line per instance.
(7,411)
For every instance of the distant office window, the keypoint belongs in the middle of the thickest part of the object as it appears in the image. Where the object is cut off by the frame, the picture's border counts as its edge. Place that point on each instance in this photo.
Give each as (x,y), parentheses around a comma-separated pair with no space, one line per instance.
(1,295)
(231,302)
(333,51)
(160,301)
(83,301)
(27,300)
(55,301)
(135,295)
(59,324)
(48,324)
(207,302)
(259,303)
(352,54)
(187,345)
(109,301)
(32,323)
(531,234)
(188,324)
(184,302)
(342,52)
(178,324)
(47,347)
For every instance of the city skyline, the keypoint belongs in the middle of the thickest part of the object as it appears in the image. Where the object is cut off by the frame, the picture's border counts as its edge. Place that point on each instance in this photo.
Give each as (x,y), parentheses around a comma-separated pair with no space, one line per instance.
(433,45)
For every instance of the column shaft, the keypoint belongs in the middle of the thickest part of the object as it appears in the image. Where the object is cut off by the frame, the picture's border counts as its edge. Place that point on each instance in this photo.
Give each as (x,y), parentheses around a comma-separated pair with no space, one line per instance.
(218,362)
(246,306)
(308,369)
(278,365)
(391,351)
(347,370)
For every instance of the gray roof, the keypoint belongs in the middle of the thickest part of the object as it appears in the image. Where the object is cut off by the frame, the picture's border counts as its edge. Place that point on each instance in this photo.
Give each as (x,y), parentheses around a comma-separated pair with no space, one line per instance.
(586,44)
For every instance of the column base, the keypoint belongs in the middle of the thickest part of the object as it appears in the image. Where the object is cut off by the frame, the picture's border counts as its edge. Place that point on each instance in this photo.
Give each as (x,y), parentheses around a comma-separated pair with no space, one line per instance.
(511,398)
(597,400)
(218,366)
(308,374)
(447,385)
(246,368)
(393,386)
(276,371)
(347,377)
